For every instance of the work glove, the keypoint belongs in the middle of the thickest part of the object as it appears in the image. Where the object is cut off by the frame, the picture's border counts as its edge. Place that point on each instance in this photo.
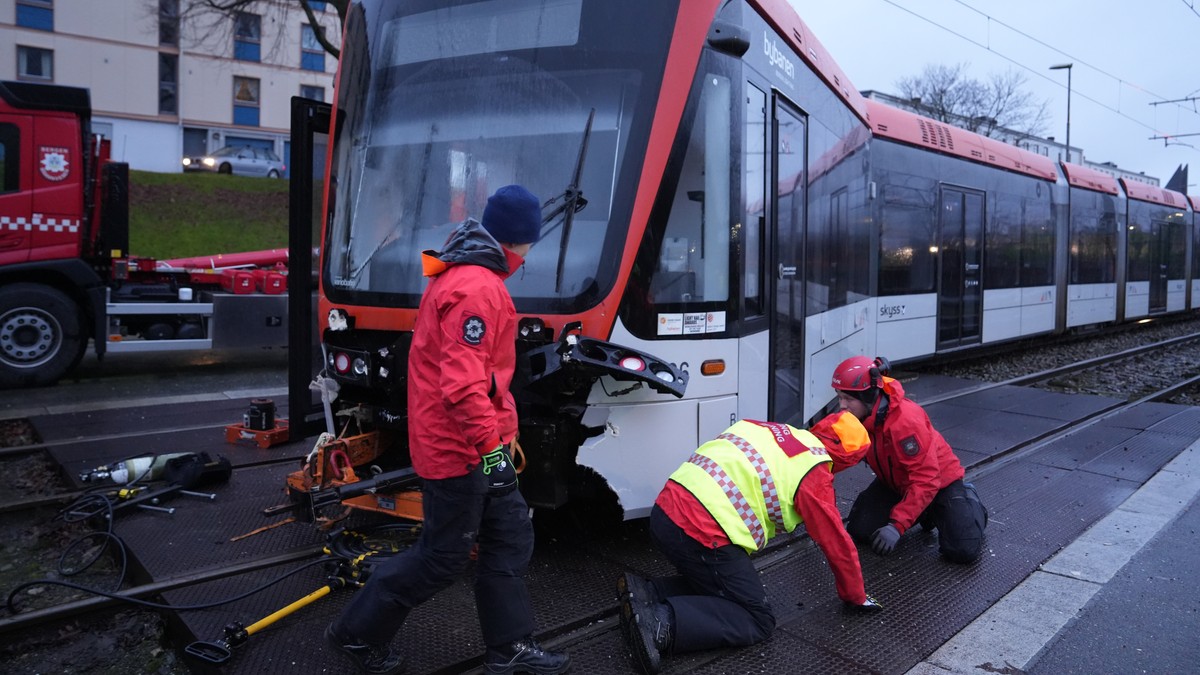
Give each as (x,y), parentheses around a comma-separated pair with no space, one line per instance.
(869,606)
(498,470)
(885,538)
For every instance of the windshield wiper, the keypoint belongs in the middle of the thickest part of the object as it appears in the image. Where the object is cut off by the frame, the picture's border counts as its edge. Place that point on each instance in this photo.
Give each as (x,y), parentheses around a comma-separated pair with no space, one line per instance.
(573,202)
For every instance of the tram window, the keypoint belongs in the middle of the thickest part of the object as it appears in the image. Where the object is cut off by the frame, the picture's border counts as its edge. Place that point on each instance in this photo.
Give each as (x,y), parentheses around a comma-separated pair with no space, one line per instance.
(1138,241)
(754,198)
(1093,239)
(1020,242)
(906,260)
(1037,243)
(479,29)
(1195,245)
(1176,248)
(693,264)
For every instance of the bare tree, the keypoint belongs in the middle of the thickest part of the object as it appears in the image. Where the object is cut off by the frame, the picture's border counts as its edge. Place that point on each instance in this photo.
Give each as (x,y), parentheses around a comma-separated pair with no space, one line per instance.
(215,21)
(999,106)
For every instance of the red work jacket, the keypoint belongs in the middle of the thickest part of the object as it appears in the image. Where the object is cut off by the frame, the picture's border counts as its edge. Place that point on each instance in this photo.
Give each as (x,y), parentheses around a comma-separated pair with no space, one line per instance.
(909,455)
(463,354)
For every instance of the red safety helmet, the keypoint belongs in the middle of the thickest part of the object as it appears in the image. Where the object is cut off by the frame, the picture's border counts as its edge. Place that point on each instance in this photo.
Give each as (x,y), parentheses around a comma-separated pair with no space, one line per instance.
(859,373)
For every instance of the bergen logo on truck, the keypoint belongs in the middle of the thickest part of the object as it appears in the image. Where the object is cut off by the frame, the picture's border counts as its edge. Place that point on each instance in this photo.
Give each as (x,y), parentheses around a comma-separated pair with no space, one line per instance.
(19,223)
(55,166)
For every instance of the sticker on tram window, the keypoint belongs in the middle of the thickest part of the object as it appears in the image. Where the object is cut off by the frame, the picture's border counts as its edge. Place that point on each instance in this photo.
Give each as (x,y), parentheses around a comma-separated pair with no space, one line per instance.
(694,322)
(670,324)
(715,322)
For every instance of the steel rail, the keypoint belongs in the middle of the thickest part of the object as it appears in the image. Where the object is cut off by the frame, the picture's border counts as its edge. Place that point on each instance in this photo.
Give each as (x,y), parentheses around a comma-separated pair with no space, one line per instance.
(604,619)
(72,609)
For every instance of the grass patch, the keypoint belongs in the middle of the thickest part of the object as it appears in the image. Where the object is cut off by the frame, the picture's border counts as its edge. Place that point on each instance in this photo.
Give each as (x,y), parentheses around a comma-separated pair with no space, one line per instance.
(174,215)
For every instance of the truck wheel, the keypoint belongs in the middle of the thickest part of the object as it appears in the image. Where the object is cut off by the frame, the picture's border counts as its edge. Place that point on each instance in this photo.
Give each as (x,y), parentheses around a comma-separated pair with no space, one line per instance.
(41,335)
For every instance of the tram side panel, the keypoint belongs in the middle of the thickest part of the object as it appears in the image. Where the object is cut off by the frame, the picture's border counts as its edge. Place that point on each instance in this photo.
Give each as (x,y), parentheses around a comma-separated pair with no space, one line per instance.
(1156,230)
(941,218)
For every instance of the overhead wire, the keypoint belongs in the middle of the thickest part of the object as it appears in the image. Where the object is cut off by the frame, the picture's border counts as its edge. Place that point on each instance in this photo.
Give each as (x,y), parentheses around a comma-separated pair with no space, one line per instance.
(1037,72)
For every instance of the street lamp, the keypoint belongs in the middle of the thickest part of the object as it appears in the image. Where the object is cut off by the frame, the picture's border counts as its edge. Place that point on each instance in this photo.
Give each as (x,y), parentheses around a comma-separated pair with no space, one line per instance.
(1067,67)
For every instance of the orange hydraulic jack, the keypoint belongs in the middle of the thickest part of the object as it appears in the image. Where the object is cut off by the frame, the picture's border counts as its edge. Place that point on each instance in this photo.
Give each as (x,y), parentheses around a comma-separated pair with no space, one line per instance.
(263,438)
(328,477)
(259,425)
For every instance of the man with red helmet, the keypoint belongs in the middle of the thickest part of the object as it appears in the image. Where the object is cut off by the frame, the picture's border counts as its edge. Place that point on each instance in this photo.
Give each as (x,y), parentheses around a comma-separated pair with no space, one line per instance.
(918,478)
(737,491)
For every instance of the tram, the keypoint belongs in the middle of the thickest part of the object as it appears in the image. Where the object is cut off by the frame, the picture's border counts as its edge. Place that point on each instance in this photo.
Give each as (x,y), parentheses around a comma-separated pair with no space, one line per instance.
(727,219)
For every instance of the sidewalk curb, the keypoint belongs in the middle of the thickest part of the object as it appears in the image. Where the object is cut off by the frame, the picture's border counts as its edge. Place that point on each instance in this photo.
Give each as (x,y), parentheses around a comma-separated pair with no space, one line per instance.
(1010,635)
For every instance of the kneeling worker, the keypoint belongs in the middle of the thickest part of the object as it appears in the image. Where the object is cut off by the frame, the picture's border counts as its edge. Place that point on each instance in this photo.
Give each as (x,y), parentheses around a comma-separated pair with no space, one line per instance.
(728,500)
(918,478)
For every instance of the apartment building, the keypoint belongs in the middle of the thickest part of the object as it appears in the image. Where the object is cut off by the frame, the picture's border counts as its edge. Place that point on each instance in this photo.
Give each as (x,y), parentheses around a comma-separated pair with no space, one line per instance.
(168,78)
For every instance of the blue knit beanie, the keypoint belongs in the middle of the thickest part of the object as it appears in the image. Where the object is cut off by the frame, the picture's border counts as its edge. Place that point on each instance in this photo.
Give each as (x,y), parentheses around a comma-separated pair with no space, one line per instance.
(513,216)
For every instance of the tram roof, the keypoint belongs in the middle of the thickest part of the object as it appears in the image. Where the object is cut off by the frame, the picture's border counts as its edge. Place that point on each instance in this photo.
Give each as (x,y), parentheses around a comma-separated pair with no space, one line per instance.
(1195,203)
(913,129)
(783,17)
(1090,179)
(1154,194)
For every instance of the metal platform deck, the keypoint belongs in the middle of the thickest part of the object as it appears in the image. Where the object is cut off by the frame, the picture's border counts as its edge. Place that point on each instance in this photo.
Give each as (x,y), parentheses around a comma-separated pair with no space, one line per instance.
(1039,501)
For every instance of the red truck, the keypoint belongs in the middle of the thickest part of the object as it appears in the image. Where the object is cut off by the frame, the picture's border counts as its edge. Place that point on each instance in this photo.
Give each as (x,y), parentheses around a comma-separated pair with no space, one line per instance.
(66,276)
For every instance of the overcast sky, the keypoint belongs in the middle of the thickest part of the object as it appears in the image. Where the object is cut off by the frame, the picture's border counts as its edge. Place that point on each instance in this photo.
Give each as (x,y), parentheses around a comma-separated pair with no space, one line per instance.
(1126,54)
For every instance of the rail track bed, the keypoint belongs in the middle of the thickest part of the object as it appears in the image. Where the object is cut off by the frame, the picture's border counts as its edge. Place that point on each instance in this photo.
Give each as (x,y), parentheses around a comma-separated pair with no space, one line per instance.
(1046,463)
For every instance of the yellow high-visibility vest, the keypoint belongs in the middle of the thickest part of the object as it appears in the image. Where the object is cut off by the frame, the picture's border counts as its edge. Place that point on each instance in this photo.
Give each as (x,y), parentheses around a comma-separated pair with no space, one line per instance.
(748,476)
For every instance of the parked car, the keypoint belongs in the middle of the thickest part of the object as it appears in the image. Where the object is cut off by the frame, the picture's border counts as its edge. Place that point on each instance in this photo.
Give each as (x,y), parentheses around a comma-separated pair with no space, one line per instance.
(240,160)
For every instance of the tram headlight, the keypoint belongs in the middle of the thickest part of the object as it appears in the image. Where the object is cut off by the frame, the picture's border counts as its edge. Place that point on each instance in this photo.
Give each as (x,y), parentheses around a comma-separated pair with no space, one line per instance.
(341,362)
(360,366)
(633,363)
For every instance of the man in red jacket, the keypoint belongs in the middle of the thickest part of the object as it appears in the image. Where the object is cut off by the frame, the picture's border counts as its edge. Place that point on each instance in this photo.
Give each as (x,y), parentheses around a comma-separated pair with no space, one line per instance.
(461,421)
(918,478)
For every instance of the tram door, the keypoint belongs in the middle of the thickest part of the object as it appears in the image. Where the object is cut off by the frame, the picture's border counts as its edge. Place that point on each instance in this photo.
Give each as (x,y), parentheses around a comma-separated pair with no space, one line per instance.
(786,399)
(960,268)
(1160,253)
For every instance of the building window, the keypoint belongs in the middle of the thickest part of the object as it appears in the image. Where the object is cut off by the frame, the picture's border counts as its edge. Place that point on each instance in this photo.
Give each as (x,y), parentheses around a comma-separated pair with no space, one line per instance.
(315,93)
(36,14)
(168,84)
(316,6)
(312,54)
(245,101)
(35,64)
(247,37)
(168,22)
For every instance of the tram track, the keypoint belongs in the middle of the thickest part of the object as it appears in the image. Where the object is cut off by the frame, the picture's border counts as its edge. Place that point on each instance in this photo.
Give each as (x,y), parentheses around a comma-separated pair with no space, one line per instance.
(601,620)
(606,621)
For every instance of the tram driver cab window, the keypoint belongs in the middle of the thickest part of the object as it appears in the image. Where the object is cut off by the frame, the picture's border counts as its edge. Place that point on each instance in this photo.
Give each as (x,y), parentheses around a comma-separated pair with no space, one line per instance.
(693,262)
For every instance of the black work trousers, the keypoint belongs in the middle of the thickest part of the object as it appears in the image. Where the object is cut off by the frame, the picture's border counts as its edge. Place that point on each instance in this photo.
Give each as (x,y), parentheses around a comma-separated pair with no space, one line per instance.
(458,512)
(955,512)
(718,598)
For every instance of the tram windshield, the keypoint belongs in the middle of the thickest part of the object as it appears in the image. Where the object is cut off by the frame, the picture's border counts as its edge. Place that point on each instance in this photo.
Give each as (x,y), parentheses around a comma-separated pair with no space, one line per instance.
(441,105)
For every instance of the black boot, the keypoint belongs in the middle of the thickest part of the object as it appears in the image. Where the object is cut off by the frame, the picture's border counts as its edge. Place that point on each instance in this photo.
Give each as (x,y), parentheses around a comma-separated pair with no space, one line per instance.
(525,656)
(373,659)
(653,634)
(633,591)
